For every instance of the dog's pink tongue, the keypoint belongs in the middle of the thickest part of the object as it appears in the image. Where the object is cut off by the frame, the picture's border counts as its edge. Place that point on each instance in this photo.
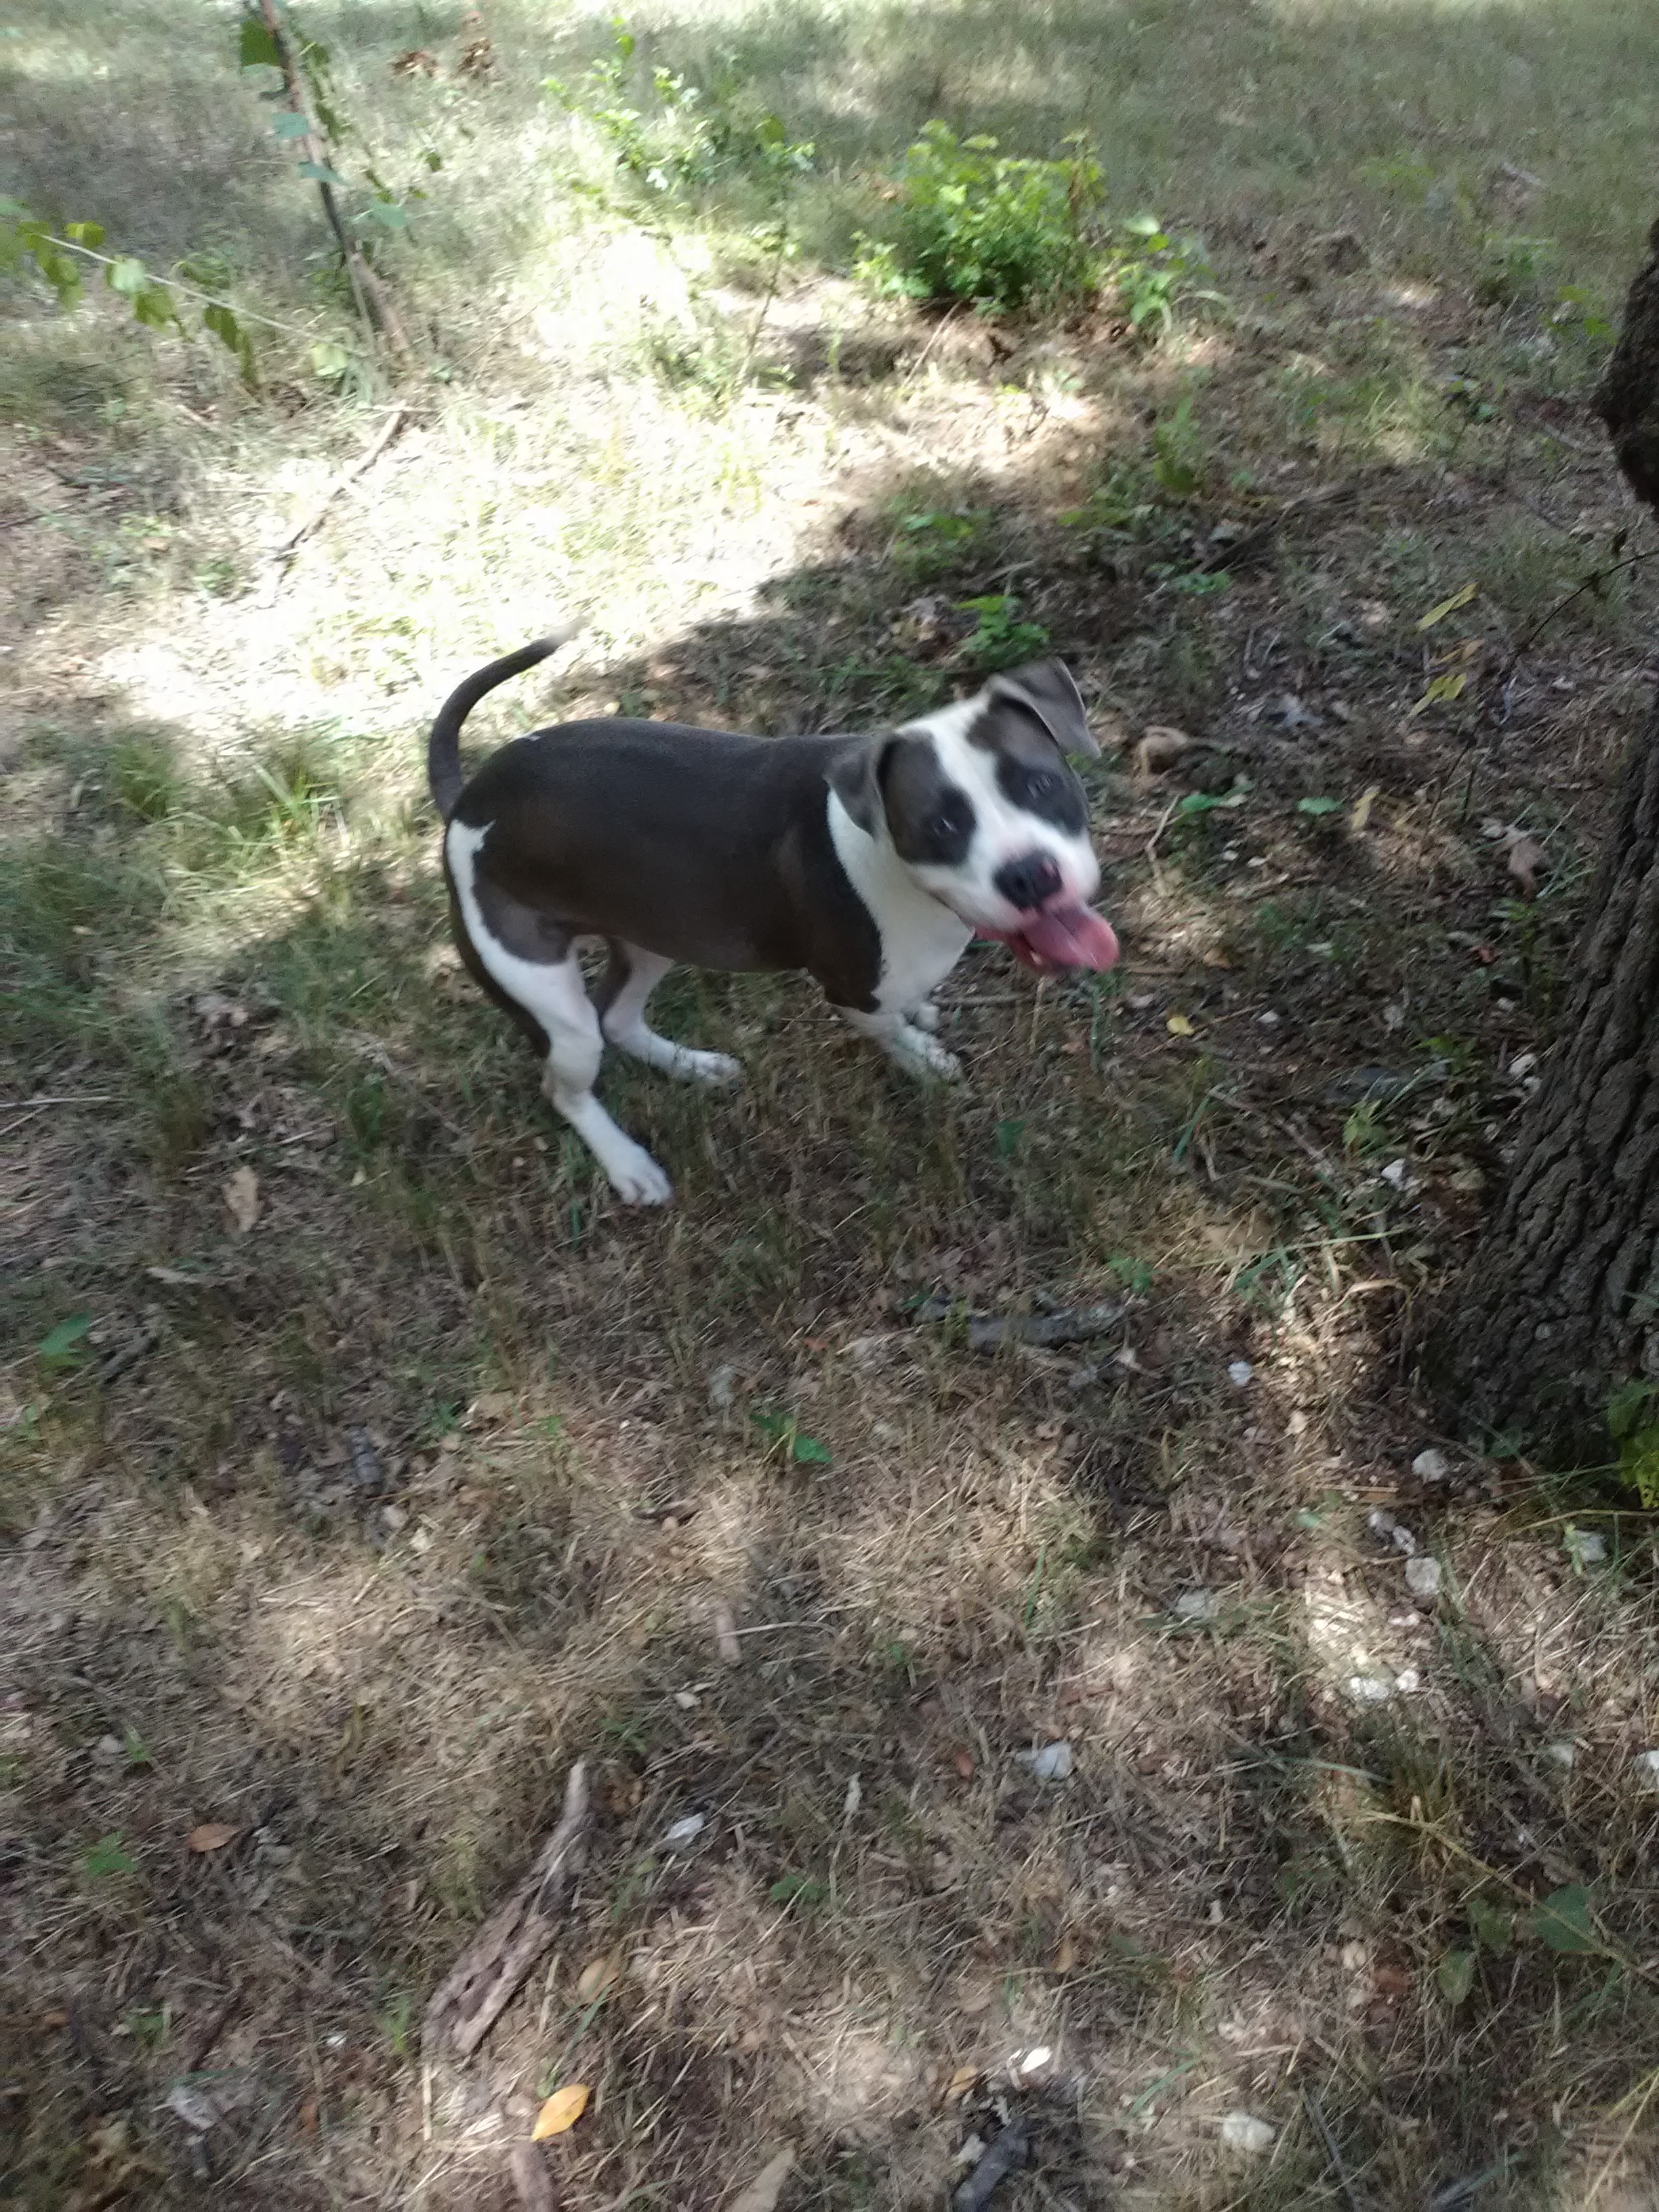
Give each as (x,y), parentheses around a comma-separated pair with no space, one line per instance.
(1069,937)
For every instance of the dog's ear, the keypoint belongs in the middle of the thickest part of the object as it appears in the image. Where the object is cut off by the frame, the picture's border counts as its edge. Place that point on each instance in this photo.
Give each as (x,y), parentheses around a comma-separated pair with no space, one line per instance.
(854,776)
(1048,689)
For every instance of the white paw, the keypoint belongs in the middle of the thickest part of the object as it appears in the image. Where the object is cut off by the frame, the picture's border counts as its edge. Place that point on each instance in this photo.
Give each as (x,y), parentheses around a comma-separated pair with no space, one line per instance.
(926,1015)
(916,1051)
(714,1068)
(636,1178)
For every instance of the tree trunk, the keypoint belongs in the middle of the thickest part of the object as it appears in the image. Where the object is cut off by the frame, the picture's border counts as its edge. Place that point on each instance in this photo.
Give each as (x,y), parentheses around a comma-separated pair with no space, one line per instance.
(1561,1301)
(1561,1304)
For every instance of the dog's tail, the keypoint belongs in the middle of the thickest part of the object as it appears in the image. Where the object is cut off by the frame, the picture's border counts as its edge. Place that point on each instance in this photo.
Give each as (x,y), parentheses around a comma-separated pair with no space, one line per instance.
(443,750)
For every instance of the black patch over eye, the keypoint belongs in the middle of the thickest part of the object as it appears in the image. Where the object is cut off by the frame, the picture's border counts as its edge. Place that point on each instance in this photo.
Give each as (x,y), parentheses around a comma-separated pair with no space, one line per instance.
(1045,792)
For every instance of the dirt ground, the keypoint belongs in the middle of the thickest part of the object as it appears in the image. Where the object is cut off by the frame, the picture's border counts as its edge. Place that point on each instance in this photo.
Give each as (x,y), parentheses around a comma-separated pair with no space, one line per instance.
(366,1466)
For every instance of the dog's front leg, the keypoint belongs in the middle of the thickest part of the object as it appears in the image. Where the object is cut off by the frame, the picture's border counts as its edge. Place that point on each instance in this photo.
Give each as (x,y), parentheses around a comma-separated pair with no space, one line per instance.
(911,1048)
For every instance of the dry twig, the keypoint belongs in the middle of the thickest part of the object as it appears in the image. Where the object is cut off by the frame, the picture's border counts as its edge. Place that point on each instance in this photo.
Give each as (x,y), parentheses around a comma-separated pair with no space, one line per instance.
(479,1985)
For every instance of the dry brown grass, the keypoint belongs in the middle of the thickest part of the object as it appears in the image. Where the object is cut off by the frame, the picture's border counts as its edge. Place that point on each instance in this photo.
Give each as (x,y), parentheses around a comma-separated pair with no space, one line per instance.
(350,1533)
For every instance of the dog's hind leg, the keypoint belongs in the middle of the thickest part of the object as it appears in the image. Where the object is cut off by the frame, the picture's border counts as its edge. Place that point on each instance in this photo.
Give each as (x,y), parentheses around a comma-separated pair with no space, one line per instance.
(633,977)
(533,963)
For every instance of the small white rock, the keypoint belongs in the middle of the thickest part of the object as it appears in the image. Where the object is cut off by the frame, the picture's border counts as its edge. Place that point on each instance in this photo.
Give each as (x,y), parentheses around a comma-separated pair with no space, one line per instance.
(1394,1174)
(1239,1372)
(1431,1466)
(684,1831)
(1033,2061)
(1562,1752)
(1523,1063)
(722,1388)
(1408,1682)
(1423,1576)
(1047,1762)
(1269,1020)
(1244,2132)
(1369,1689)
(1196,1605)
(1646,1767)
(1585,1548)
(193,2107)
(1406,1619)
(1381,1522)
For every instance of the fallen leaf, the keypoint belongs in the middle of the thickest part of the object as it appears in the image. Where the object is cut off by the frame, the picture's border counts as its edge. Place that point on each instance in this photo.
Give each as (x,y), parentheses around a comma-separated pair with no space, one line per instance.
(1065,1954)
(960,2082)
(598,1976)
(1447,607)
(307,2117)
(561,2110)
(211,1836)
(1392,1981)
(1526,857)
(963,1762)
(763,2192)
(242,1197)
(1160,748)
(1178,1025)
(726,1636)
(1362,807)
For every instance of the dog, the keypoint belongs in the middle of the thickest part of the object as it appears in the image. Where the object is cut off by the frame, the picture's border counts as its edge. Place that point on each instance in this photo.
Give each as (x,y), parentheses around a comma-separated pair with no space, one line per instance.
(868,861)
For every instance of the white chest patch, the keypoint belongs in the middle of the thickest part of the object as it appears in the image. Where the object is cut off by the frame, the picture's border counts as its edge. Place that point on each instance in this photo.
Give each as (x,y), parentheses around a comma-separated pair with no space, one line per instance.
(922,941)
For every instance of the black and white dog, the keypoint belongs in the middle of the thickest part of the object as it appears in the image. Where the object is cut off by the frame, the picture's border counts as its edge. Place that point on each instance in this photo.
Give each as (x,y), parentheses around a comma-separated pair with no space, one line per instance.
(868,861)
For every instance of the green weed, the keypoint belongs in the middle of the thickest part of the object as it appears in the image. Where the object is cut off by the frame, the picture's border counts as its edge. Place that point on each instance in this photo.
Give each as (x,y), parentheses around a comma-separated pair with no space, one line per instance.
(999,232)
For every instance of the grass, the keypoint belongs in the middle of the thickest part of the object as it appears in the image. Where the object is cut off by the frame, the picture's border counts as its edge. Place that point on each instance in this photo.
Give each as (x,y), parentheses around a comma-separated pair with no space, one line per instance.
(350,1531)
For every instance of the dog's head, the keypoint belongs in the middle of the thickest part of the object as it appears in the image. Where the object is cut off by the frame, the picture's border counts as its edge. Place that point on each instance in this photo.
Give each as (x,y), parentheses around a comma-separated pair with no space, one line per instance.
(979,803)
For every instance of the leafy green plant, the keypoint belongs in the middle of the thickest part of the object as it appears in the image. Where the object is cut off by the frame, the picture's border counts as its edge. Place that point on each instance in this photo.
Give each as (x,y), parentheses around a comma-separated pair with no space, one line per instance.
(1153,273)
(1510,269)
(803,1891)
(1001,640)
(1563,1922)
(60,1347)
(784,1435)
(107,1857)
(1634,1428)
(1180,456)
(969,223)
(670,137)
(154,300)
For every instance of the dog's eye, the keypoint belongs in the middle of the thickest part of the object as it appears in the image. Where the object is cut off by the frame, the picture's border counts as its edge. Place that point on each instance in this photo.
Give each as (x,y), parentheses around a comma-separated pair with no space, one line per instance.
(1042,783)
(942,826)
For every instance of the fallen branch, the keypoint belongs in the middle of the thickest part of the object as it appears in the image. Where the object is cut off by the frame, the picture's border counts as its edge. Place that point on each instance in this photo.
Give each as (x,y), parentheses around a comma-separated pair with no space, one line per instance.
(1593,582)
(1251,541)
(284,548)
(990,1332)
(482,1980)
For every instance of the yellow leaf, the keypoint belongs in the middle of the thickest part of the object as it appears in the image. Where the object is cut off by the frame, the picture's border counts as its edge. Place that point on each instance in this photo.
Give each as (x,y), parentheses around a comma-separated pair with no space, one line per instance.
(1362,807)
(1441,688)
(1065,1954)
(1448,606)
(211,1836)
(1178,1025)
(596,1977)
(960,2082)
(563,2109)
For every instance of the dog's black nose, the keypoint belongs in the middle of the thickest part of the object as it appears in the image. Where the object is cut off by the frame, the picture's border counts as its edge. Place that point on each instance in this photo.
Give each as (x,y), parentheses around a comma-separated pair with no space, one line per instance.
(1026,884)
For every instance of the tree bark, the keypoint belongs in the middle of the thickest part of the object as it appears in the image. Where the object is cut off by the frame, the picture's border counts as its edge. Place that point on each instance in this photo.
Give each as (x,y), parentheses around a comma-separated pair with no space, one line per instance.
(1561,1304)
